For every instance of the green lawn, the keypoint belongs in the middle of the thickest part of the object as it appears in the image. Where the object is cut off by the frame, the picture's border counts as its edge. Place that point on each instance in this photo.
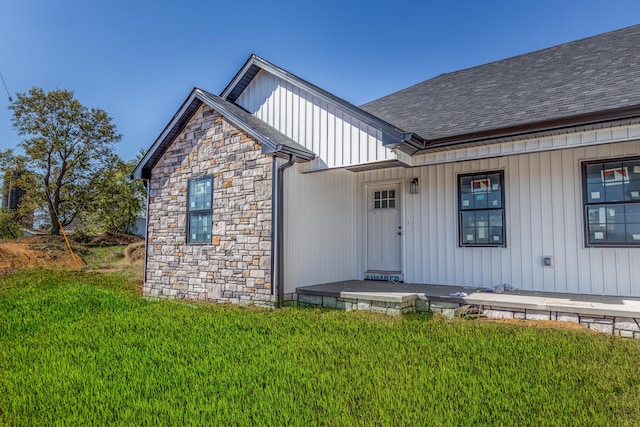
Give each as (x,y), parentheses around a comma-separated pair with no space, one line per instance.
(86,349)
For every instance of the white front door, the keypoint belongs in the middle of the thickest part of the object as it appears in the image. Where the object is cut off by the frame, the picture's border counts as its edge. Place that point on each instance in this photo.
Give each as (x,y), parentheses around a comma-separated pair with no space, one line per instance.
(384,228)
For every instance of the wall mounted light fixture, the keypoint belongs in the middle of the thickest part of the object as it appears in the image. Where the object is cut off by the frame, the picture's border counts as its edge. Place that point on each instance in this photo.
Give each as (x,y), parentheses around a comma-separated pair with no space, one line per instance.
(413,186)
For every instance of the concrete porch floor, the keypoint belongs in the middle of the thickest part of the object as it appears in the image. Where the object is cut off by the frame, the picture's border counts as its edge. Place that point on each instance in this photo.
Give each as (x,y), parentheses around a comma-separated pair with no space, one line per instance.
(591,305)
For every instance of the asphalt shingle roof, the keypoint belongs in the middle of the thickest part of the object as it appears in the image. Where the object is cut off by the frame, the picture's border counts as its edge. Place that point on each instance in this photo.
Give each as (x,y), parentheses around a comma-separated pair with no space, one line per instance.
(590,75)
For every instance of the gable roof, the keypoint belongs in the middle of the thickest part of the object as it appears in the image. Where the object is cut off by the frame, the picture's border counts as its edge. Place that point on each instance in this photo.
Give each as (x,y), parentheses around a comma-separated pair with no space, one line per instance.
(270,140)
(392,135)
(591,80)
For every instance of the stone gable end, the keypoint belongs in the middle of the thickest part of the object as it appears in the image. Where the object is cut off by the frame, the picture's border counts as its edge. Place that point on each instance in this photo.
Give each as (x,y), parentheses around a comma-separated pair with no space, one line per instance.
(236,265)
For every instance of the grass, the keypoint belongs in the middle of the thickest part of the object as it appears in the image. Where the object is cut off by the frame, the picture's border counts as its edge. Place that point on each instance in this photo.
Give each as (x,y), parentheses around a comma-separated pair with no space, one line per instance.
(113,258)
(85,348)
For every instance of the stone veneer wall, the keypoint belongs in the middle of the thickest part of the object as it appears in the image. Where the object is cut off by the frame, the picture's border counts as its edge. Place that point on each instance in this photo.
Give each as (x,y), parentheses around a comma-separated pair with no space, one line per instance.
(236,266)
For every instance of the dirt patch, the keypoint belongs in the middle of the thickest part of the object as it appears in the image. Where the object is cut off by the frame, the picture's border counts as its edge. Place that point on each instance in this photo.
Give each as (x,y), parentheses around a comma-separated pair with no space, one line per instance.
(134,251)
(39,252)
(114,239)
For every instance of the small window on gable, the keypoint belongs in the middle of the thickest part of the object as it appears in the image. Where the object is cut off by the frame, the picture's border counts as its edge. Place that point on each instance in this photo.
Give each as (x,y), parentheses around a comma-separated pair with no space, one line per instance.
(481,209)
(612,202)
(200,210)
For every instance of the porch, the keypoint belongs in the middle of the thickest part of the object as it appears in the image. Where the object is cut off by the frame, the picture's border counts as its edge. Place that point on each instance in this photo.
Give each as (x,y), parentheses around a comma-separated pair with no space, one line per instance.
(607,314)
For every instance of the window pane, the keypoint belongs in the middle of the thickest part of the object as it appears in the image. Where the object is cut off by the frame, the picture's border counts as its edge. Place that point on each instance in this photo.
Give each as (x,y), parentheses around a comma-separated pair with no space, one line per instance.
(496,235)
(482,235)
(495,218)
(597,215)
(465,184)
(616,233)
(632,213)
(384,204)
(482,218)
(595,192)
(392,203)
(494,182)
(200,194)
(468,219)
(597,234)
(614,178)
(200,227)
(633,190)
(633,169)
(615,214)
(594,173)
(614,191)
(494,199)
(633,233)
(384,194)
(480,200)
(392,194)
(466,201)
(376,204)
(468,236)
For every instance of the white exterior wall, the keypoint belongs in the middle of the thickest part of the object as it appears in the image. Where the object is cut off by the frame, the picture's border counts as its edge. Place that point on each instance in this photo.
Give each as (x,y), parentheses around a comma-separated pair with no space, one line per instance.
(543,214)
(337,138)
(320,227)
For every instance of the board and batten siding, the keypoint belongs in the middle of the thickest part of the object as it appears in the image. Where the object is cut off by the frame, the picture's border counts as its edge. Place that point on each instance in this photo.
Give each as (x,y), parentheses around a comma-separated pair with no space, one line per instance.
(320,227)
(543,216)
(337,138)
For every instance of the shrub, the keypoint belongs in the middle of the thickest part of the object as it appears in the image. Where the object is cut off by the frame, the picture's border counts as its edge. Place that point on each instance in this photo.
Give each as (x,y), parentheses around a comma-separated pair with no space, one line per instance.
(9,227)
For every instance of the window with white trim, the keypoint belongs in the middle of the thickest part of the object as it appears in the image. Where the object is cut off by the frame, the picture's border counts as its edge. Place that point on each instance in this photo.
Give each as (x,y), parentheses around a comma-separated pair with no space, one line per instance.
(481,209)
(200,210)
(611,196)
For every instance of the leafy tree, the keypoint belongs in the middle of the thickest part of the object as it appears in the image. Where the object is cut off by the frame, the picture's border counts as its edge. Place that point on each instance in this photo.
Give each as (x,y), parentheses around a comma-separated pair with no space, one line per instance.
(120,201)
(9,227)
(66,146)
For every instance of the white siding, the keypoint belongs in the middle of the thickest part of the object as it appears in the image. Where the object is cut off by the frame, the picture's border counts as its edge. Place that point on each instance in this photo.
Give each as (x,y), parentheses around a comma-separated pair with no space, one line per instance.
(320,227)
(544,217)
(337,138)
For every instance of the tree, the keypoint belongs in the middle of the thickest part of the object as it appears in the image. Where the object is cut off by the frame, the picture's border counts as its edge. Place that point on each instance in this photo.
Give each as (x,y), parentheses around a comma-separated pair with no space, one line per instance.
(9,227)
(66,146)
(120,201)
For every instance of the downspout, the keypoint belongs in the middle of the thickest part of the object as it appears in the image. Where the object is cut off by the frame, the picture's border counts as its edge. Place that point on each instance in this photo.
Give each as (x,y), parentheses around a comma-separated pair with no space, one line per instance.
(280,229)
(273,222)
(147,185)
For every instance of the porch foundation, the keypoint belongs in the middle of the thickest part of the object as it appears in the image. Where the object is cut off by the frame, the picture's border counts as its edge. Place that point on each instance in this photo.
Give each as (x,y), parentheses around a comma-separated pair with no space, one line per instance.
(596,313)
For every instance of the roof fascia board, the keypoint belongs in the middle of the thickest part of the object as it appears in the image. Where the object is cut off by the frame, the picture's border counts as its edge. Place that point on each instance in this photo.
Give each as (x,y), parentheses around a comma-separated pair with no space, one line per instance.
(391,135)
(267,145)
(529,128)
(236,79)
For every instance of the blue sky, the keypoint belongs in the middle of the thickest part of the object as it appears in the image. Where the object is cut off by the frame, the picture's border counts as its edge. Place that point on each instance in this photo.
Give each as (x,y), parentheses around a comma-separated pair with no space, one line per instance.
(138,60)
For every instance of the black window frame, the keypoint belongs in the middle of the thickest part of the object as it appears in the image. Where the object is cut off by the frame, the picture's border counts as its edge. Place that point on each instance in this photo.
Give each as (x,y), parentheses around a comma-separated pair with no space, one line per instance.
(494,202)
(199,211)
(607,199)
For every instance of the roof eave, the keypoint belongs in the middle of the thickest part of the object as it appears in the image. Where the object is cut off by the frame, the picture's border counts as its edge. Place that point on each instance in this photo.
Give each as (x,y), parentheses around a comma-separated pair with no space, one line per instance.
(195,99)
(520,130)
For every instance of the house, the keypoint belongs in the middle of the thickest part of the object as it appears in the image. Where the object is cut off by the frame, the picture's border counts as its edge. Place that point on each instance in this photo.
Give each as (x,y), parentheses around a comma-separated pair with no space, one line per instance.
(524,171)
